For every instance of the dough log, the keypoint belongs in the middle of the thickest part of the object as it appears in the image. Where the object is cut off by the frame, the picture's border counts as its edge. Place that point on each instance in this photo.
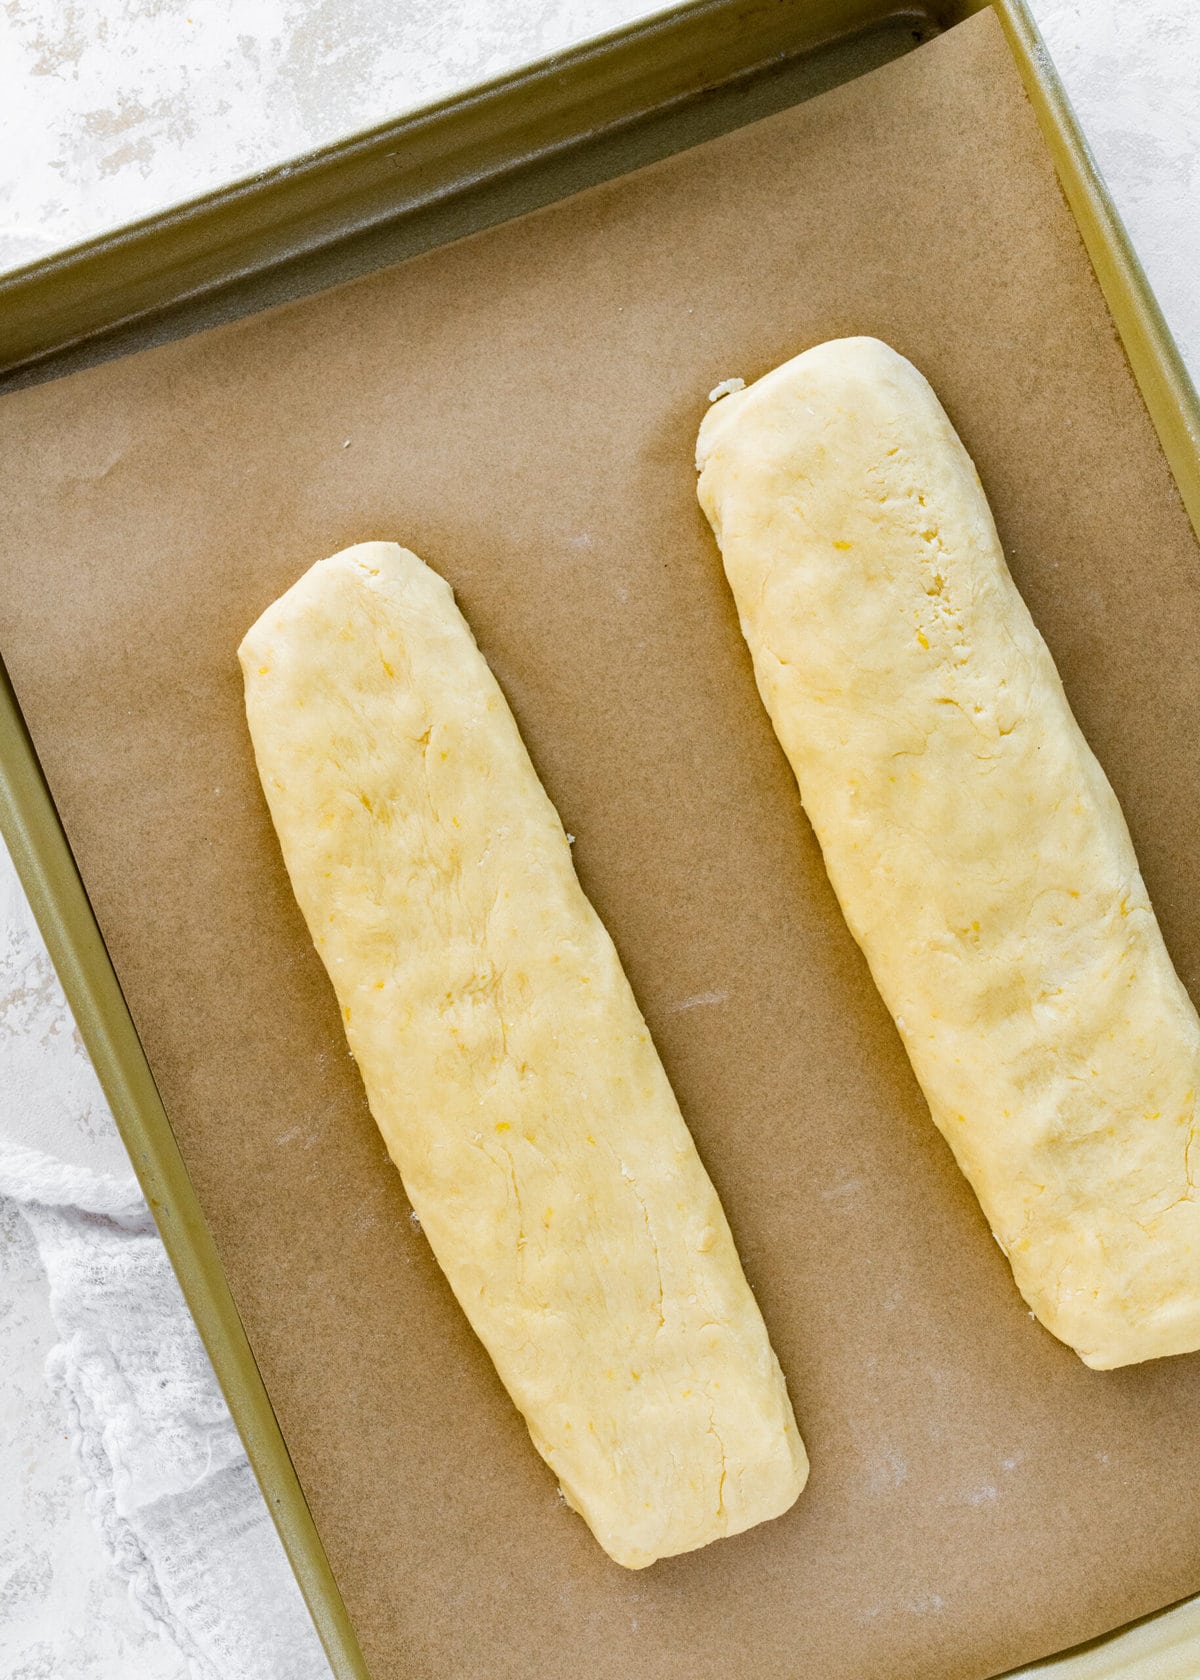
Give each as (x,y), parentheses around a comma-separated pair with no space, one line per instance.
(507,1064)
(977,849)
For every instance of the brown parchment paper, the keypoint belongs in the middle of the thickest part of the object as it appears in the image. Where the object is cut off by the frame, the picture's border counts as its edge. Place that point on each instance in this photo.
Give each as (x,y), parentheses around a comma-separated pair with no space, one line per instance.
(521,410)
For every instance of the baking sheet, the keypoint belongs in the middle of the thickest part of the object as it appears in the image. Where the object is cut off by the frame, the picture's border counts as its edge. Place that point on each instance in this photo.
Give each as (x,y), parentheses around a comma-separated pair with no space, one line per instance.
(520,408)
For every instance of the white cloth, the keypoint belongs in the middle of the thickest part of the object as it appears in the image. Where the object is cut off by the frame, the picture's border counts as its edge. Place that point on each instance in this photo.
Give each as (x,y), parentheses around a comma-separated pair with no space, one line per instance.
(167,1480)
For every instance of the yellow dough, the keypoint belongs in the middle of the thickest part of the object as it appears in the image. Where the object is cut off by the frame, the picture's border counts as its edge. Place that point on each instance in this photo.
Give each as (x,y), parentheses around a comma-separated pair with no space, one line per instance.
(507,1064)
(978,851)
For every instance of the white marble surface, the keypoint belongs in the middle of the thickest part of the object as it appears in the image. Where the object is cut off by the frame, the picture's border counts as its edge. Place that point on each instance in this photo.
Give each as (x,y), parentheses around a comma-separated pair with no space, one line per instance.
(111,109)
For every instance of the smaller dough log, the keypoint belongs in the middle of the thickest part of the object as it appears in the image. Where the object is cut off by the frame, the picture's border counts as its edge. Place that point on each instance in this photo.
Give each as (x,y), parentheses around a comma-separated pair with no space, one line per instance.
(506,1062)
(977,849)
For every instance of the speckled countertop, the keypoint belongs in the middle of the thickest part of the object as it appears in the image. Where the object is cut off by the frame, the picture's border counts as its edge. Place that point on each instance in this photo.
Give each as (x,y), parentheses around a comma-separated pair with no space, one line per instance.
(112,109)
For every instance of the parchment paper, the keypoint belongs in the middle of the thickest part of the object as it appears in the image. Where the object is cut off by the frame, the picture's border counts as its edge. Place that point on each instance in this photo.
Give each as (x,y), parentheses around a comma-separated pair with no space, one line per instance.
(521,409)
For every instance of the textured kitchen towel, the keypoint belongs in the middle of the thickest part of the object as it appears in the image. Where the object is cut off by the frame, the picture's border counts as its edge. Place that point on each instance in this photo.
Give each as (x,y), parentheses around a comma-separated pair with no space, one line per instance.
(167,1480)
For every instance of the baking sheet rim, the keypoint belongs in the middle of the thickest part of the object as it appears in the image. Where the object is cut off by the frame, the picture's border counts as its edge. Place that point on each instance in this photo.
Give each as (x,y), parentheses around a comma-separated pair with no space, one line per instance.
(58,897)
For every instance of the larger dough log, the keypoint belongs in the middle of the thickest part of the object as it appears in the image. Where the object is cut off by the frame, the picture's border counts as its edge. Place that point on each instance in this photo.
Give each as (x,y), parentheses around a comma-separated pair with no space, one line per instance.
(506,1062)
(978,851)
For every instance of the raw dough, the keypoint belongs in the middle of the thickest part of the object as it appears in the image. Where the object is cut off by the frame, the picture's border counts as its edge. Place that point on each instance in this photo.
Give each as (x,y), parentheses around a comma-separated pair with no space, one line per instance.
(978,851)
(507,1064)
